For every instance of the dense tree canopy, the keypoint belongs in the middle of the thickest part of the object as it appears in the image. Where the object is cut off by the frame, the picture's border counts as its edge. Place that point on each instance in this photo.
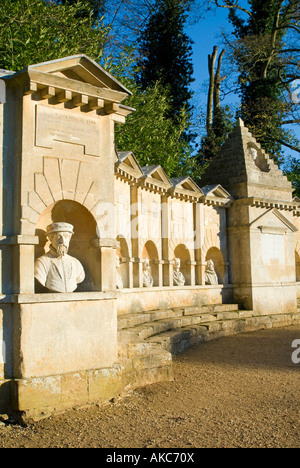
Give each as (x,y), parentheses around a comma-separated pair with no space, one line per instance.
(267,54)
(33,31)
(97,6)
(165,53)
(149,132)
(264,50)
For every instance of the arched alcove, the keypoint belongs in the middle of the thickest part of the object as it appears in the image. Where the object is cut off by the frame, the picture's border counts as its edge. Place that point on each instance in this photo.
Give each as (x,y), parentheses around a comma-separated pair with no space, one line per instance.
(123,253)
(182,252)
(150,251)
(216,256)
(81,245)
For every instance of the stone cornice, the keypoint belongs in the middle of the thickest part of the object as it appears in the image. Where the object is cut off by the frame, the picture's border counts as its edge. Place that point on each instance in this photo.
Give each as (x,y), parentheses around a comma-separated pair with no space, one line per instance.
(216,201)
(269,203)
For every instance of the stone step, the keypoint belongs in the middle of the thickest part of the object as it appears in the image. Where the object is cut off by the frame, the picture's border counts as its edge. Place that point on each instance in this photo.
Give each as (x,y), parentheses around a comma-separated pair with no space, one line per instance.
(146,330)
(146,350)
(176,341)
(133,320)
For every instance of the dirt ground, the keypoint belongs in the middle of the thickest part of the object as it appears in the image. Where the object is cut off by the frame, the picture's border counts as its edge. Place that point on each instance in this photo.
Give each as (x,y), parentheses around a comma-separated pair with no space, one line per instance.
(240,391)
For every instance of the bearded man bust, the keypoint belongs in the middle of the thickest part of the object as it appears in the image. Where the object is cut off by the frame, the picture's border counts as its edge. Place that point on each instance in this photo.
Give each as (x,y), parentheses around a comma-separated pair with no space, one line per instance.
(56,270)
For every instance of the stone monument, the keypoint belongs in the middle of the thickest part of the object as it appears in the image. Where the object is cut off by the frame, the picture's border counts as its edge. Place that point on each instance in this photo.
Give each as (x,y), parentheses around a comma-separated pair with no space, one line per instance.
(56,270)
(59,162)
(211,277)
(178,277)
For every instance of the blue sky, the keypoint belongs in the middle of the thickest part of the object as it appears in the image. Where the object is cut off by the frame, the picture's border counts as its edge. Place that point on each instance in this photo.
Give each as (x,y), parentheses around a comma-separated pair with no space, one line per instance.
(206,34)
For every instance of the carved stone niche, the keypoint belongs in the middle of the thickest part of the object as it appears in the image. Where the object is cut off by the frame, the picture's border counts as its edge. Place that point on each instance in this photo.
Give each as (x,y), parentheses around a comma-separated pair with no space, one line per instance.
(81,245)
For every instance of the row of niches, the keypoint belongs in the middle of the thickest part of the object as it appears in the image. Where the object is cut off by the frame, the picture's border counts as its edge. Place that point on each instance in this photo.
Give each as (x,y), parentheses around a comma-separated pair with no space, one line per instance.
(152,271)
(67,258)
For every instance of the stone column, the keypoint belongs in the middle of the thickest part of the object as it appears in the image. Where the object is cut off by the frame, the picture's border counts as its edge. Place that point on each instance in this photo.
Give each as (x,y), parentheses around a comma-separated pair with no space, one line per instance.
(226,270)
(129,268)
(199,237)
(160,265)
(108,249)
(137,270)
(193,273)
(23,263)
(135,221)
(166,235)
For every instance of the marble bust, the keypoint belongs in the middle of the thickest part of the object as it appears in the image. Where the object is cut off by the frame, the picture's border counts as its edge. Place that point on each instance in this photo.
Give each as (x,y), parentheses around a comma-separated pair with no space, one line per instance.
(119,281)
(178,278)
(147,277)
(211,277)
(253,153)
(56,270)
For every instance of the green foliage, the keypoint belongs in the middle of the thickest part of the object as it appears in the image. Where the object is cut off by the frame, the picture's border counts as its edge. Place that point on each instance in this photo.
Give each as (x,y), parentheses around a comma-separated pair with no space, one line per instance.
(97,6)
(293,174)
(166,53)
(34,31)
(149,132)
(152,135)
(211,144)
(265,68)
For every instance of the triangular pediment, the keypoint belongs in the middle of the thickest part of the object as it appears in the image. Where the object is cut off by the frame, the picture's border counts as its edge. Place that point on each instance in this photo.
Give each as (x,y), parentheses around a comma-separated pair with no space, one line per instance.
(128,161)
(157,174)
(186,184)
(216,191)
(83,69)
(274,222)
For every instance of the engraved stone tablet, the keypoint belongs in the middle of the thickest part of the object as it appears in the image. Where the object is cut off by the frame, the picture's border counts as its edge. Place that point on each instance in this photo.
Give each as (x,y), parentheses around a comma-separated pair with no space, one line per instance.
(66,126)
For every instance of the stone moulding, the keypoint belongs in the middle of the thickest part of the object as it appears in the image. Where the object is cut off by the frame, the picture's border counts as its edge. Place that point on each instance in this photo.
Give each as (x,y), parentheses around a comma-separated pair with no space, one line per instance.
(269,203)
(62,297)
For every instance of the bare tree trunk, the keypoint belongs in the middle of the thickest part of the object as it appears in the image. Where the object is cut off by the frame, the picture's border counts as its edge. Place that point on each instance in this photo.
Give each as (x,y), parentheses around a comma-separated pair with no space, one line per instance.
(218,81)
(211,68)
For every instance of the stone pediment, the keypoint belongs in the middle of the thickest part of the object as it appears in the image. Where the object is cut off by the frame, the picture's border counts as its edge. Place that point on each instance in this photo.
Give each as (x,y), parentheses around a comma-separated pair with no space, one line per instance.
(155,178)
(76,81)
(186,183)
(216,191)
(127,166)
(185,187)
(156,174)
(274,222)
(216,195)
(80,68)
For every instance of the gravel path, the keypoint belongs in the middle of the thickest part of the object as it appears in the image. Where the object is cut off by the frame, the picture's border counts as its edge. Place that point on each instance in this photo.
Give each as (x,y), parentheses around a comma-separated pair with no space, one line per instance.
(240,391)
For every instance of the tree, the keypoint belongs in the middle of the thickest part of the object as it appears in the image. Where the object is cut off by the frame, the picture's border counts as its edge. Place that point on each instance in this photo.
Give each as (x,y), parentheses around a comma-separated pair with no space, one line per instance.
(218,119)
(97,6)
(149,132)
(152,135)
(166,52)
(292,171)
(266,52)
(33,31)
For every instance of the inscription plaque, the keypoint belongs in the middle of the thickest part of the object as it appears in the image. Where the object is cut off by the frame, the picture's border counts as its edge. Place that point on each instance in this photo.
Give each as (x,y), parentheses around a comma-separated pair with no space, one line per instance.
(65,126)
